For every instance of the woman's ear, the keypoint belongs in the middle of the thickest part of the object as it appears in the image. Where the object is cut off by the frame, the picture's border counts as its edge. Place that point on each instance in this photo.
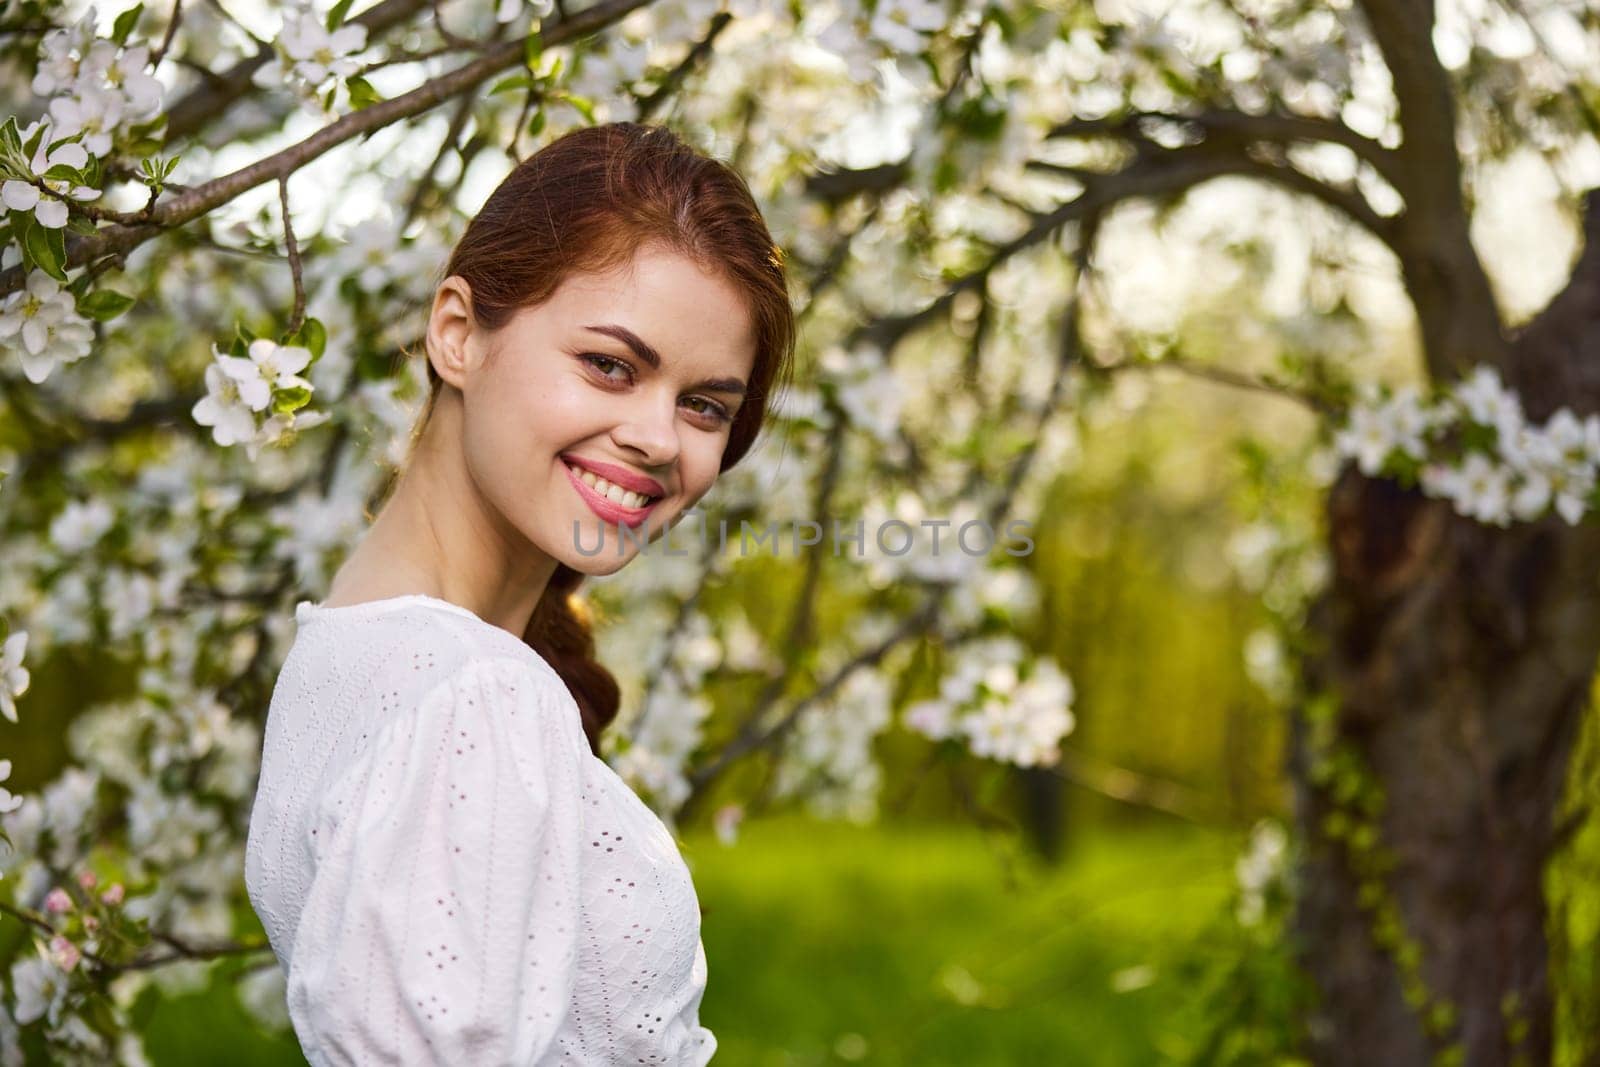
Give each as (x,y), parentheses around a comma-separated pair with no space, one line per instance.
(451,328)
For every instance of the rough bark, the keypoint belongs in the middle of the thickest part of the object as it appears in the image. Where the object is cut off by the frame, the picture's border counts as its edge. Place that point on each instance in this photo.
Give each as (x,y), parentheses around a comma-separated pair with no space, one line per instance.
(1462,657)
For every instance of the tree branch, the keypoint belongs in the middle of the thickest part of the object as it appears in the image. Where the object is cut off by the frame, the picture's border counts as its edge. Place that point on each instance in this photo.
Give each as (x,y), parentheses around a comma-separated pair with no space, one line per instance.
(190,114)
(1461,325)
(206,198)
(1241,128)
(1558,351)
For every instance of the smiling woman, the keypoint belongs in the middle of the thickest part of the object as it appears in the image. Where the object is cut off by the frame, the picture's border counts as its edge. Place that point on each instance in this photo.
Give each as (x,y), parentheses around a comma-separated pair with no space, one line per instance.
(536,398)
(446,869)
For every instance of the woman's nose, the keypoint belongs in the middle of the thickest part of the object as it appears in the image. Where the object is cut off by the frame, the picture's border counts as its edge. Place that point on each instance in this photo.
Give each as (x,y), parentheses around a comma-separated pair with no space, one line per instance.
(651,431)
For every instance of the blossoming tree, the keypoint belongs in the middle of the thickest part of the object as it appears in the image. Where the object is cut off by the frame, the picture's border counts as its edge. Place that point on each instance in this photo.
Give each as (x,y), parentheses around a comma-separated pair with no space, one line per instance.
(201,396)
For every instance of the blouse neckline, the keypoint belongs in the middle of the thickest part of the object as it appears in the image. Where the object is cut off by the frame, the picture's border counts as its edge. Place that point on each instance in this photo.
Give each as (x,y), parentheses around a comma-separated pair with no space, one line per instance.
(307,609)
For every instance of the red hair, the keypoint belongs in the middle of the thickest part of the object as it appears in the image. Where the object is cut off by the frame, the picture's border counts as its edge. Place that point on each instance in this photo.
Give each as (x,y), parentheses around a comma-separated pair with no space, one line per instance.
(587,202)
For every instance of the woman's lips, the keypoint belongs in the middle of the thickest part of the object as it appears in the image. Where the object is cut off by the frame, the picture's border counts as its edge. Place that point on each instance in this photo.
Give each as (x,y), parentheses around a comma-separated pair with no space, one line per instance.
(607,509)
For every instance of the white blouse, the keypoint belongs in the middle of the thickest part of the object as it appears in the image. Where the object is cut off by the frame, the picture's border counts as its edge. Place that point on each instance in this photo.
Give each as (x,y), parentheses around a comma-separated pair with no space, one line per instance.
(446,873)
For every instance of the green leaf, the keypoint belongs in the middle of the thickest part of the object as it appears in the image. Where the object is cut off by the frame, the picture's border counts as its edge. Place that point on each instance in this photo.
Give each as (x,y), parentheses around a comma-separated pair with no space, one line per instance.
(291,399)
(511,81)
(336,15)
(532,49)
(582,104)
(42,251)
(57,236)
(242,336)
(125,23)
(105,304)
(536,124)
(362,94)
(32,144)
(154,172)
(63,173)
(10,136)
(312,336)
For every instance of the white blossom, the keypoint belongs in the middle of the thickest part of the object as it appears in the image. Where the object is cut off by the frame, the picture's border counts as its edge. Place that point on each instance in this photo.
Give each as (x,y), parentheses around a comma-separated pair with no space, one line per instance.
(506,10)
(10,1041)
(59,51)
(38,989)
(1377,427)
(867,390)
(97,87)
(901,24)
(43,317)
(314,524)
(1266,663)
(1528,470)
(67,803)
(1487,401)
(14,678)
(666,733)
(845,39)
(81,524)
(618,63)
(237,387)
(124,69)
(1022,723)
(268,368)
(92,110)
(1003,714)
(50,211)
(224,409)
(828,759)
(1480,488)
(129,598)
(9,802)
(306,55)
(376,255)
(1258,867)
(934,719)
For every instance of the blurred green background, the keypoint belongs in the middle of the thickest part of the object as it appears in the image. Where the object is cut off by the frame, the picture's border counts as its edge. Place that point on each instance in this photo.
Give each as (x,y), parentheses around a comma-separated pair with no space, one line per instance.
(1081,914)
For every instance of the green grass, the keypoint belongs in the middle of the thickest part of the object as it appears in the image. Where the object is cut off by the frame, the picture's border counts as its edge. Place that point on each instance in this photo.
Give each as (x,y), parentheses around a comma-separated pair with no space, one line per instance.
(830,944)
(833,944)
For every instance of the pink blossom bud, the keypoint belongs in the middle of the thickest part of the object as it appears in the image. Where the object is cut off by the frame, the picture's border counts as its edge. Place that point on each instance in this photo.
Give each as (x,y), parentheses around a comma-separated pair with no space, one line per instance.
(86,879)
(57,900)
(727,822)
(90,923)
(113,895)
(64,953)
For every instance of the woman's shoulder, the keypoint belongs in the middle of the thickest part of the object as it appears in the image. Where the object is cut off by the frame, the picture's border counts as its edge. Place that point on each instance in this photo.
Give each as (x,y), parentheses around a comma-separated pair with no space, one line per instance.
(417,639)
(425,706)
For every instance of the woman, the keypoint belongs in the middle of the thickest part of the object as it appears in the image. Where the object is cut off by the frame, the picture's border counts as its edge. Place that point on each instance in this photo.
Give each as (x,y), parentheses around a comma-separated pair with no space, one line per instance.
(447,871)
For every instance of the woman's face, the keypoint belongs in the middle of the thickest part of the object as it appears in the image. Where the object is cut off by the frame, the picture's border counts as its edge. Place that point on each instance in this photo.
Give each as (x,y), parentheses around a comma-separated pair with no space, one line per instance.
(633,376)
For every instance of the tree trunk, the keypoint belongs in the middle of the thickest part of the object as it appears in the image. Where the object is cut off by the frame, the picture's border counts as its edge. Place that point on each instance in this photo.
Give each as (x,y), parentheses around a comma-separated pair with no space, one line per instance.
(1460,658)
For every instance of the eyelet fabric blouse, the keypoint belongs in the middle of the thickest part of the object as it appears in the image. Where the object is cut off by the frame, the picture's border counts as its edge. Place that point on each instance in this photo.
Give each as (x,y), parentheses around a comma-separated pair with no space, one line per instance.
(445,871)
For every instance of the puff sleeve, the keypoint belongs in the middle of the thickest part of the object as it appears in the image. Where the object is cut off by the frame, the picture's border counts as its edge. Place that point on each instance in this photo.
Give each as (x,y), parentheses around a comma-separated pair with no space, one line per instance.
(441,924)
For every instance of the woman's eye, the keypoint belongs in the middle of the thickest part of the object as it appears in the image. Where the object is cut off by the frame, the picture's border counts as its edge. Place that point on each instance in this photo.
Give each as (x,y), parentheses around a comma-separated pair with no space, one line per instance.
(712,408)
(605,363)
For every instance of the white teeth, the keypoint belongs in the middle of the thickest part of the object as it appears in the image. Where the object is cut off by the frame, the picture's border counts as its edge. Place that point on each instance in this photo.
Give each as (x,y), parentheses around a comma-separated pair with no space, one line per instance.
(614,493)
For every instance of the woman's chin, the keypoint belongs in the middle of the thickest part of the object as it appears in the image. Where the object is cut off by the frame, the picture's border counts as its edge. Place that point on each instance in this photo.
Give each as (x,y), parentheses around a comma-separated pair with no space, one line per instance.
(603,564)
(599,551)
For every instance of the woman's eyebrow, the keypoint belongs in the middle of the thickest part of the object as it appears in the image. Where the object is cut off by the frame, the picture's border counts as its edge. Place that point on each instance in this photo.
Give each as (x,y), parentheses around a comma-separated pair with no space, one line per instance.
(652,357)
